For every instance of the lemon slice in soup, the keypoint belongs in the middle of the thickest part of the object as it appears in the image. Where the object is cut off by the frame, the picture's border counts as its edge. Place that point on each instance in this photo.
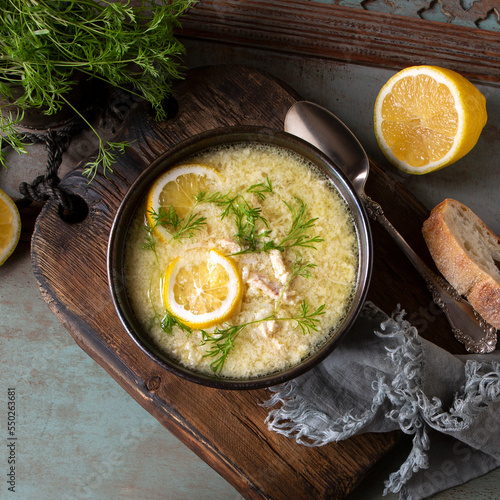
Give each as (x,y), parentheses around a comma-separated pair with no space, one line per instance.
(177,188)
(202,288)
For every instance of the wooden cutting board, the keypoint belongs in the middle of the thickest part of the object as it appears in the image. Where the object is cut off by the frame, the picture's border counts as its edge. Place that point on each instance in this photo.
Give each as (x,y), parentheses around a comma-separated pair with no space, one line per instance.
(224,428)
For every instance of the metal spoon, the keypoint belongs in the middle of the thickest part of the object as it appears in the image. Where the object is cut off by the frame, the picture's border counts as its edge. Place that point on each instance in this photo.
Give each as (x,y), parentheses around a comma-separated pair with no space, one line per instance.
(324,130)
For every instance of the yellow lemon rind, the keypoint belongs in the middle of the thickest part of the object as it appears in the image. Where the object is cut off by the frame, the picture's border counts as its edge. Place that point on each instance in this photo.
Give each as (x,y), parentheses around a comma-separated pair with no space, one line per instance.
(152,201)
(206,320)
(16,229)
(469,102)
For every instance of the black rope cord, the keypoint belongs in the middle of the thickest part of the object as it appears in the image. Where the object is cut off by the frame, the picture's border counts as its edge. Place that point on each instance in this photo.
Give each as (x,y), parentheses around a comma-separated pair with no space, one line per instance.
(46,186)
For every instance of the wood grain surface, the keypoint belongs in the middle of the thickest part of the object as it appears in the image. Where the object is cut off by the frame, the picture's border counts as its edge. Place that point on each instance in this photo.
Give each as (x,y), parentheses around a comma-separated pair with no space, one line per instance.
(225,428)
(353,35)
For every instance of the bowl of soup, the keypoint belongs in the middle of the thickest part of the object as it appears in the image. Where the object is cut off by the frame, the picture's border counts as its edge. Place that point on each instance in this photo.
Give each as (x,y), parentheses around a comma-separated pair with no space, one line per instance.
(240,258)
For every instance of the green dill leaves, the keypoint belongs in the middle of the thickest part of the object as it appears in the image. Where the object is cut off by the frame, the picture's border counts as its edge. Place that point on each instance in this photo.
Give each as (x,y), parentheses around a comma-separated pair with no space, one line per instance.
(261,189)
(107,154)
(168,322)
(221,340)
(253,239)
(189,225)
(248,235)
(45,44)
(179,228)
(253,232)
(297,235)
(221,343)
(221,200)
(309,321)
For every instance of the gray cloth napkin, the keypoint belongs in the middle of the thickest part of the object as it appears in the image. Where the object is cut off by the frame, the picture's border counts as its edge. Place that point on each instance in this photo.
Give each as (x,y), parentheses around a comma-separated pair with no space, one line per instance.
(385,377)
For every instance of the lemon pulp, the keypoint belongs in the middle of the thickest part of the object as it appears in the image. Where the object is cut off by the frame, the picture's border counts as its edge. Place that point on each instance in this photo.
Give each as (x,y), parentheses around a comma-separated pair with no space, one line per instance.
(428,117)
(10,226)
(202,290)
(177,188)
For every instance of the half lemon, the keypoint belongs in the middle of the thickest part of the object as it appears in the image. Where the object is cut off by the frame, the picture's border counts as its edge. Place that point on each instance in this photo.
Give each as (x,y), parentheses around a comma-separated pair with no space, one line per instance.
(178,188)
(10,226)
(202,288)
(427,117)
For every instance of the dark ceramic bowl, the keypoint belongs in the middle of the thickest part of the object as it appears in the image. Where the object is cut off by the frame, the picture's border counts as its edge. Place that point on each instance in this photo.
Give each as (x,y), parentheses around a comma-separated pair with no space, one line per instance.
(194,146)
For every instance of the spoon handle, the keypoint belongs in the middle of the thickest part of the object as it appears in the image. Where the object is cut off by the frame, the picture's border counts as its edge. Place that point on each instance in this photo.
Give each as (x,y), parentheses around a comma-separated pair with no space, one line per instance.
(481,337)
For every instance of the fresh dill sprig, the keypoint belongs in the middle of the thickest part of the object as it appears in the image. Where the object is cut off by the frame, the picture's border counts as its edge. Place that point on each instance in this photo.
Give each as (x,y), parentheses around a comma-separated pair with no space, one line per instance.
(44,44)
(297,234)
(221,344)
(299,268)
(222,339)
(252,239)
(168,322)
(309,321)
(166,217)
(107,151)
(230,202)
(178,227)
(149,240)
(219,199)
(191,224)
(261,188)
(9,135)
(107,154)
(248,235)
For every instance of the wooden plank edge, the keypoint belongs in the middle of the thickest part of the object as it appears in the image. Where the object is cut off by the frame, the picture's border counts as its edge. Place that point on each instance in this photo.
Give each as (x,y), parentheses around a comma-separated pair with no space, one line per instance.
(309,28)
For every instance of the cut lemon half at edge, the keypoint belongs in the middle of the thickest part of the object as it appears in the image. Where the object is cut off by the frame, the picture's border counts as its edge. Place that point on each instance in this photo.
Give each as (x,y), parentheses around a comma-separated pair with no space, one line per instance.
(10,226)
(202,288)
(177,188)
(427,117)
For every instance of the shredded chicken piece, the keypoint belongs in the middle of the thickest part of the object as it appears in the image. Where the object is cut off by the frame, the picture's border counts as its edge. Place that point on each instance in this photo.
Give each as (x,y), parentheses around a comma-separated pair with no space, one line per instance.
(272,289)
(280,270)
(229,245)
(245,272)
(268,327)
(267,287)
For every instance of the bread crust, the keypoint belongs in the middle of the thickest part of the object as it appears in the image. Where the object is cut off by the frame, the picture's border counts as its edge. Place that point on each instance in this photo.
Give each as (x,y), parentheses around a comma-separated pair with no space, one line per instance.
(485,298)
(458,265)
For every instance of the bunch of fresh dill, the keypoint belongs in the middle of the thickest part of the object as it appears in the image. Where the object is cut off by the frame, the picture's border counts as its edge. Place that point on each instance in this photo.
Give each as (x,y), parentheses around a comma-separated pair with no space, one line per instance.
(44,44)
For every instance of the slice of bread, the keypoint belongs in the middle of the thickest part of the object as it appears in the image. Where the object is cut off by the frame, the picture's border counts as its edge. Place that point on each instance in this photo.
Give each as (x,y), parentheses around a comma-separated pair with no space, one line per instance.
(467,253)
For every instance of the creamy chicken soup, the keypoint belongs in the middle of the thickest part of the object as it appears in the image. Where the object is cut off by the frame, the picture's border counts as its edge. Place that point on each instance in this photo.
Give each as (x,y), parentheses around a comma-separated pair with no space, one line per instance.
(284,251)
